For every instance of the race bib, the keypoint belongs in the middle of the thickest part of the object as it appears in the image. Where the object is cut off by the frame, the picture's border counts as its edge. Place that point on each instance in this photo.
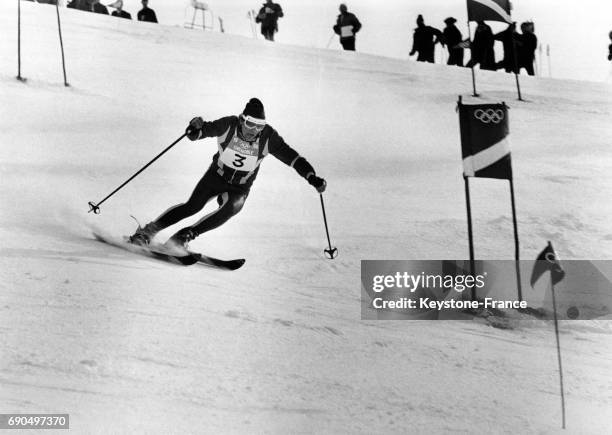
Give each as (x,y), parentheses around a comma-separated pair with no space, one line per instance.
(240,155)
(269,11)
(346,31)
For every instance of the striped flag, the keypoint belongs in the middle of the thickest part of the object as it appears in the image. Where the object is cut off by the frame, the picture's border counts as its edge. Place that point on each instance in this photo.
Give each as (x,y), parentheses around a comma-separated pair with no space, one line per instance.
(484,145)
(489,10)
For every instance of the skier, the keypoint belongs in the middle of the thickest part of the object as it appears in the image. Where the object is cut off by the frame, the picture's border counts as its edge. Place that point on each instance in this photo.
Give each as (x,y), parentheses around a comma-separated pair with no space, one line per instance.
(244,141)
(424,40)
(347,26)
(610,48)
(268,17)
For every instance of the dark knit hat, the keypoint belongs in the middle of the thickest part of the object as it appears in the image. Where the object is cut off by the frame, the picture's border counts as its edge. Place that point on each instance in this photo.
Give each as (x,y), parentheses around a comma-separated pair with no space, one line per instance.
(255,109)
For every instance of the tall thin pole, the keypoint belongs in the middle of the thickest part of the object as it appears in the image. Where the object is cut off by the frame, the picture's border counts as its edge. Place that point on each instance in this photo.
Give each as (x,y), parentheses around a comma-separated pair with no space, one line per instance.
(516,243)
(19,42)
(552,289)
(516,70)
(59,29)
(474,93)
(470,233)
(549,63)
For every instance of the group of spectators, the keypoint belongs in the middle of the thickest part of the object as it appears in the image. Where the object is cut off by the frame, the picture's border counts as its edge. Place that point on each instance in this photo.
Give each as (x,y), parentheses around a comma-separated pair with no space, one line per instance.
(145,14)
(519,48)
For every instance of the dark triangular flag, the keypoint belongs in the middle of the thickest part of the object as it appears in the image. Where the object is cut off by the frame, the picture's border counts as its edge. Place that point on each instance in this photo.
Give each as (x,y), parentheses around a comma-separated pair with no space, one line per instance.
(547,260)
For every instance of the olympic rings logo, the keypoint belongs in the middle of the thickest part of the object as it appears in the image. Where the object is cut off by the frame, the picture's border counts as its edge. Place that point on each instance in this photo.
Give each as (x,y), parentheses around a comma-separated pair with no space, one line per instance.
(490,115)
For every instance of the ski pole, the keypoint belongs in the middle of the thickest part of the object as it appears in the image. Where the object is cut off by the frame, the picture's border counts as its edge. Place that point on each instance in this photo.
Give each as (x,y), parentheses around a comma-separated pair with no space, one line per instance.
(332,252)
(96,207)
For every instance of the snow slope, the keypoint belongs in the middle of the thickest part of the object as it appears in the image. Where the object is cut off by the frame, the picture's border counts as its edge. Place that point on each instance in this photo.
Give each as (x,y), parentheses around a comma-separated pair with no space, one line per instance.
(128,344)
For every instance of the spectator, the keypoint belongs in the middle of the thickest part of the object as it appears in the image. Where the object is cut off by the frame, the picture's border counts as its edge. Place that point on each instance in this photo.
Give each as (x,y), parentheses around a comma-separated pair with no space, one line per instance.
(610,48)
(347,26)
(268,17)
(511,41)
(98,8)
(82,5)
(481,48)
(452,38)
(119,12)
(146,13)
(529,44)
(424,40)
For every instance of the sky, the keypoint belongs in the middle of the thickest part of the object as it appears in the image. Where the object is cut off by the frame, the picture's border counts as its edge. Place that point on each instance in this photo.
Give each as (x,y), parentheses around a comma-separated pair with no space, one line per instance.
(575,32)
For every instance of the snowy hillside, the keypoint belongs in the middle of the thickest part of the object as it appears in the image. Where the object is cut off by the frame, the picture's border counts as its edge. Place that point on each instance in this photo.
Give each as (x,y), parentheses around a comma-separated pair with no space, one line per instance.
(126,344)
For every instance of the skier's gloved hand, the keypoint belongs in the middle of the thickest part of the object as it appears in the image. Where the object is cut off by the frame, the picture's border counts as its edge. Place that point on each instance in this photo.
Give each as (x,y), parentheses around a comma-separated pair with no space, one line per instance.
(194,128)
(317,182)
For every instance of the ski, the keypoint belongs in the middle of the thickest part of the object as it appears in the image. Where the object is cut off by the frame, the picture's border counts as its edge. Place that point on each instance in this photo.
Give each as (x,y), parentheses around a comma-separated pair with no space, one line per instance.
(222,264)
(154,251)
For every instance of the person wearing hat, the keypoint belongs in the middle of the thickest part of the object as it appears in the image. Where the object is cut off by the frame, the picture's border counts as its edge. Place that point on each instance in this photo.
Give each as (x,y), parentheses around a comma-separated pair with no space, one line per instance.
(452,38)
(424,41)
(244,141)
(347,25)
(527,47)
(119,12)
(610,48)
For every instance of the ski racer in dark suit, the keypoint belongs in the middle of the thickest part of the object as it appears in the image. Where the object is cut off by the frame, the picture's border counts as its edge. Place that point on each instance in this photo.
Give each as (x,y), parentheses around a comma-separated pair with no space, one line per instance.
(243,142)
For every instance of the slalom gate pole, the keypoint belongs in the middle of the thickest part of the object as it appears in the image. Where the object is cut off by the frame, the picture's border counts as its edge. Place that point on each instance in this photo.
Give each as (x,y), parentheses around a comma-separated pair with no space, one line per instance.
(549,63)
(470,233)
(552,288)
(331,38)
(96,207)
(516,68)
(516,244)
(59,29)
(331,252)
(19,42)
(474,93)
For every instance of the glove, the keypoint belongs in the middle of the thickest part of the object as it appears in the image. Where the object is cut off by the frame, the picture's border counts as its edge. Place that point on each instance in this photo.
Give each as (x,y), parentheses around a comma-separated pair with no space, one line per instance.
(317,182)
(194,128)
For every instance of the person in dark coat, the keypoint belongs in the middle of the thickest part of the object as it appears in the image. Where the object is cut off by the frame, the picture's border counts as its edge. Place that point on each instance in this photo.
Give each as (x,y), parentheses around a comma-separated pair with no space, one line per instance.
(481,48)
(424,40)
(146,13)
(610,48)
(82,5)
(98,7)
(268,17)
(527,48)
(347,26)
(452,37)
(119,12)
(510,39)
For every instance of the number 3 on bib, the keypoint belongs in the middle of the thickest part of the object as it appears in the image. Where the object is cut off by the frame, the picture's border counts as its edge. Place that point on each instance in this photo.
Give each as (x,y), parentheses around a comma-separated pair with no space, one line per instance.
(239,161)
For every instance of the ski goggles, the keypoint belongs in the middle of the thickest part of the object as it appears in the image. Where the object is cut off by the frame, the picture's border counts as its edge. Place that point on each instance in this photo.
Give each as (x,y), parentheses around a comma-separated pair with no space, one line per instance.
(252,124)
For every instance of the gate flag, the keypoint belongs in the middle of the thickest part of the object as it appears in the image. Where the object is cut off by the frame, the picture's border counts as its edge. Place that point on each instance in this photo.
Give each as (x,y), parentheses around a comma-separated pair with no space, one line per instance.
(484,146)
(489,10)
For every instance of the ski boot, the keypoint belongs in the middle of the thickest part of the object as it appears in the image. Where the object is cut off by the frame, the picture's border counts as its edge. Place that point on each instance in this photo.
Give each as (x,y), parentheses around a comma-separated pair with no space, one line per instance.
(143,235)
(181,239)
